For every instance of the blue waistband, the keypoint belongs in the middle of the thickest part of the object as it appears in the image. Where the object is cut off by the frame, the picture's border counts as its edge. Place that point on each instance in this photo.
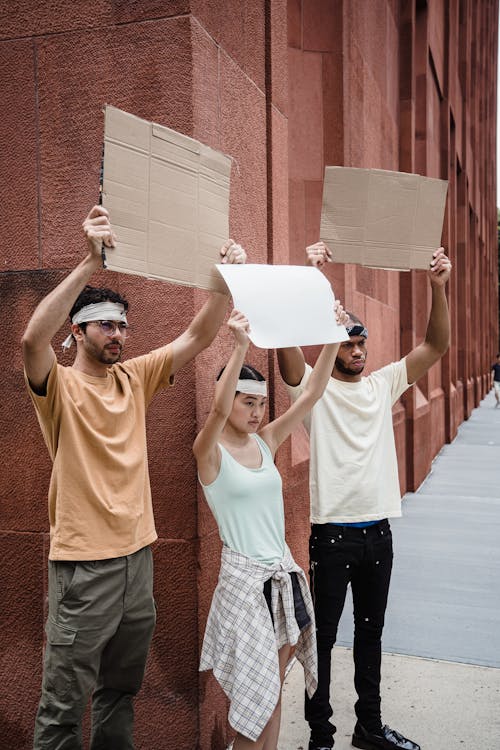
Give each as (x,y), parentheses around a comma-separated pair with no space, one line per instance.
(357,525)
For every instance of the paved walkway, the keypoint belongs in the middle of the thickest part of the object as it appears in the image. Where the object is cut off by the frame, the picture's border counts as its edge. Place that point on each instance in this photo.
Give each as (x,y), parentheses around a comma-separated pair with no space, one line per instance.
(441,665)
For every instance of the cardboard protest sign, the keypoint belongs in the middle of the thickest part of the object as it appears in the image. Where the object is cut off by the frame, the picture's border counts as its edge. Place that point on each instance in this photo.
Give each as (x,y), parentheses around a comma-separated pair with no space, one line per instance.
(285,305)
(382,219)
(168,199)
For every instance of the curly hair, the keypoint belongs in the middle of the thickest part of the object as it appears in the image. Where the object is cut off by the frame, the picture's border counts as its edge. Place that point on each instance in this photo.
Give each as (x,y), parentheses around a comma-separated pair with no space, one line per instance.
(92,294)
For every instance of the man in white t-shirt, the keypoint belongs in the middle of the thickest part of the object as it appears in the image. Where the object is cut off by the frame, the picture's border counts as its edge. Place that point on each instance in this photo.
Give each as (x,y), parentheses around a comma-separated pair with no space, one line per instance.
(354,490)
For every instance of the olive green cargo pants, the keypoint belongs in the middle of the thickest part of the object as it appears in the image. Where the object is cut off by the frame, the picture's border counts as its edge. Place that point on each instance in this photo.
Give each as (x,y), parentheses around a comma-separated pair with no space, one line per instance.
(99,628)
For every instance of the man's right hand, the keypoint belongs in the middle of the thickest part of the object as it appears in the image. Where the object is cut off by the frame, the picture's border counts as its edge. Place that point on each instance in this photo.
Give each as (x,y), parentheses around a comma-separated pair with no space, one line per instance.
(231,252)
(318,254)
(98,230)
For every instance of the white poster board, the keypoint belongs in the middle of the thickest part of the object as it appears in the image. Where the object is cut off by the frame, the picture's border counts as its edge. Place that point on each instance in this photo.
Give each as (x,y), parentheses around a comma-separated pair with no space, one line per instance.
(285,305)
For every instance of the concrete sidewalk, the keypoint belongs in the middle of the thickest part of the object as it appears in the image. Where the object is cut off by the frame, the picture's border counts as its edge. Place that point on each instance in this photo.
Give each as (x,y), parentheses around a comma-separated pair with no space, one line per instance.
(440,670)
(441,705)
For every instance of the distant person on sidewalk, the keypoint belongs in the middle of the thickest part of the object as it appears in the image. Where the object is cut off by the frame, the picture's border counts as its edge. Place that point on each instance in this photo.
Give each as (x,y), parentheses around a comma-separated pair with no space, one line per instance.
(101,613)
(354,491)
(495,379)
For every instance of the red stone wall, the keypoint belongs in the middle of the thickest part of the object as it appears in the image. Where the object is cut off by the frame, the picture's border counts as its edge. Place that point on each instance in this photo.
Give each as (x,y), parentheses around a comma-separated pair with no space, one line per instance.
(409,86)
(284,88)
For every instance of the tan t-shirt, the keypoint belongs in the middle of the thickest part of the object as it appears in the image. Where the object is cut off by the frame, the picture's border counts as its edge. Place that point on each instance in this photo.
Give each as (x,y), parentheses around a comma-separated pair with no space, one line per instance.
(353,473)
(95,430)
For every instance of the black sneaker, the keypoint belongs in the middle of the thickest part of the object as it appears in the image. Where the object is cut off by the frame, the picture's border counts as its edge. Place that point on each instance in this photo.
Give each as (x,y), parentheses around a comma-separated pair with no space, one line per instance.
(384,738)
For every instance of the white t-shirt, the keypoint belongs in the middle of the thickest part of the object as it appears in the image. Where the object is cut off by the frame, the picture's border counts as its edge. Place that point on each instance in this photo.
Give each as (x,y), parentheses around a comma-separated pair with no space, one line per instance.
(353,473)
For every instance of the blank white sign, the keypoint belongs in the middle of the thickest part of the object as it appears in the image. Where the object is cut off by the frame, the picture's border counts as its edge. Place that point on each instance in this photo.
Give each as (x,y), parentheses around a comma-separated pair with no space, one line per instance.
(285,305)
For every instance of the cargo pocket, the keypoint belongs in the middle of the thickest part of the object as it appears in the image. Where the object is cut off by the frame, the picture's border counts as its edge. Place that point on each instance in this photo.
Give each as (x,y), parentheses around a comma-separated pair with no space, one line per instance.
(58,667)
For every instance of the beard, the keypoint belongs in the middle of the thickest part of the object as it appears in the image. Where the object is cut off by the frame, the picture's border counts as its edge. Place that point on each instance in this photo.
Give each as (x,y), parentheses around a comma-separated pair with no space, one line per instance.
(103,354)
(341,367)
(109,358)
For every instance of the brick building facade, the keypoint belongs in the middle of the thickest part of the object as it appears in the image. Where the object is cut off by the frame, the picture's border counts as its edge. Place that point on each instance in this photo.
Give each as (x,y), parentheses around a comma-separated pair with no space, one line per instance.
(284,88)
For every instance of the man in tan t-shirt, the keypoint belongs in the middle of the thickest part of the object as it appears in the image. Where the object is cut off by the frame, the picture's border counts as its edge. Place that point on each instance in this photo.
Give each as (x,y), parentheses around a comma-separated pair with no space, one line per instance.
(353,480)
(92,415)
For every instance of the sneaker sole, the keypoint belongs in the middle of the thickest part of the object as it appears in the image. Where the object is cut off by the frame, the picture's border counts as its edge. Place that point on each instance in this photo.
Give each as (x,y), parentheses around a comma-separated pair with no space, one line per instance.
(363,744)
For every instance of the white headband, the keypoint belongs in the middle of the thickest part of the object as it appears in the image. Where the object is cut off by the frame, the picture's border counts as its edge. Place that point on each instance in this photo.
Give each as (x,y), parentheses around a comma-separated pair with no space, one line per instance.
(97,311)
(252,387)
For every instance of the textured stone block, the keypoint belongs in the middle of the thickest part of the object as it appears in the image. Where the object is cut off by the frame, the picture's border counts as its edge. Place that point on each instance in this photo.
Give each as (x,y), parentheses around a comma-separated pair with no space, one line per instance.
(321,26)
(21,625)
(279,55)
(238,26)
(297,219)
(368,29)
(294,18)
(77,75)
(244,139)
(128,11)
(305,115)
(167,705)
(24,485)
(333,109)
(297,521)
(313,194)
(206,111)
(214,727)
(25,18)
(280,223)
(18,172)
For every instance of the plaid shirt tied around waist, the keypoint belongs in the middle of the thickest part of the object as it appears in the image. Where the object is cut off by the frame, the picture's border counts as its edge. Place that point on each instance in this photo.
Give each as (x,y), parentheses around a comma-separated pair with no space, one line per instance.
(241,645)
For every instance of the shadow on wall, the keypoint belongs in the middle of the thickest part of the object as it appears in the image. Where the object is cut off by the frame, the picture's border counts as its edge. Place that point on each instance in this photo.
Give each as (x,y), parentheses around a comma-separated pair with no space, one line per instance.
(218,736)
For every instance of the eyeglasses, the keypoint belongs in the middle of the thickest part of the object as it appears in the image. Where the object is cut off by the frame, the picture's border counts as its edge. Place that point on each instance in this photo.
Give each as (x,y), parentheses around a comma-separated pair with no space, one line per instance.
(108,327)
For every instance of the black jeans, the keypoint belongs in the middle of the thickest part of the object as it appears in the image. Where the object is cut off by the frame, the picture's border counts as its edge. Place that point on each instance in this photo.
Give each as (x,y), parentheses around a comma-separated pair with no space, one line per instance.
(363,557)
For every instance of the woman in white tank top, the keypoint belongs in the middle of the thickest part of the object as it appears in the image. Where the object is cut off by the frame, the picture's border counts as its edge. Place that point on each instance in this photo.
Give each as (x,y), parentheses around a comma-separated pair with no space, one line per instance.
(252,633)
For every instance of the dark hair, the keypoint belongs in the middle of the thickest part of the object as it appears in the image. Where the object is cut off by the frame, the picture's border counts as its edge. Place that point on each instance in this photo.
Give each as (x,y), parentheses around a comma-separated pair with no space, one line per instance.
(92,294)
(354,318)
(247,372)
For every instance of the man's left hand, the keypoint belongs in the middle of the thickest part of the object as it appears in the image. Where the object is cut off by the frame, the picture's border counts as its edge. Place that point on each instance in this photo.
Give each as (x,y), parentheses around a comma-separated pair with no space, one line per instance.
(318,254)
(440,269)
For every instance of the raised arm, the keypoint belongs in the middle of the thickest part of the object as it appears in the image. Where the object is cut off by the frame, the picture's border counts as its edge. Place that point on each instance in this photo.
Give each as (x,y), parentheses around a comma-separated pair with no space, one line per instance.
(276,432)
(54,309)
(291,361)
(437,337)
(204,326)
(292,364)
(205,446)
